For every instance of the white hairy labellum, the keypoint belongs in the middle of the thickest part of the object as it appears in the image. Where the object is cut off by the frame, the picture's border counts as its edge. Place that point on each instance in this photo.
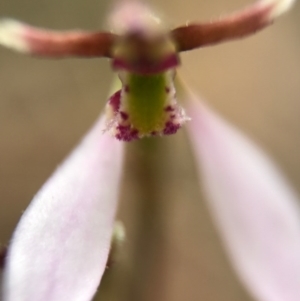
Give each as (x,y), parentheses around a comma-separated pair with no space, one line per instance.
(145,106)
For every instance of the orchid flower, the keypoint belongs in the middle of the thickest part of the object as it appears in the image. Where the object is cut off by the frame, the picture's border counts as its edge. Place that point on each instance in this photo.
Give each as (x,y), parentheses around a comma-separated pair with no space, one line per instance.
(60,248)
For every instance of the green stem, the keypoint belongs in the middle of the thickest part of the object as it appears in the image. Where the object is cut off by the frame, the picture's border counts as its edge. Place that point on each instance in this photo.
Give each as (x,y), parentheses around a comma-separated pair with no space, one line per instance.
(148,258)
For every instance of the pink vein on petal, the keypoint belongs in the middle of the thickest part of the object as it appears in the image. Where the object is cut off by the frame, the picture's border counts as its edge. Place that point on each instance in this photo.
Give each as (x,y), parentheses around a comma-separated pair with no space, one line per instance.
(256,211)
(60,247)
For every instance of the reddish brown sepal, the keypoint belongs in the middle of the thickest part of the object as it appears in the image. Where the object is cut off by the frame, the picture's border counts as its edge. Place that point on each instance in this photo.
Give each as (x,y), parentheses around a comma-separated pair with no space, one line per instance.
(235,26)
(72,43)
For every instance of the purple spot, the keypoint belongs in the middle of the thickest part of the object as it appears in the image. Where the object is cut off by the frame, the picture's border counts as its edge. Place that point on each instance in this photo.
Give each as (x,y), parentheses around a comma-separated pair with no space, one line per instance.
(124,115)
(134,134)
(123,128)
(169,109)
(154,133)
(173,116)
(114,101)
(171,128)
(167,90)
(125,133)
(126,89)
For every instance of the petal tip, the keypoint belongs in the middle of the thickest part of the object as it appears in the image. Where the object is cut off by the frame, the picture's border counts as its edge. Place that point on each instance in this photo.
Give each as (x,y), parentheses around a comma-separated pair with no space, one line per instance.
(278,7)
(12,35)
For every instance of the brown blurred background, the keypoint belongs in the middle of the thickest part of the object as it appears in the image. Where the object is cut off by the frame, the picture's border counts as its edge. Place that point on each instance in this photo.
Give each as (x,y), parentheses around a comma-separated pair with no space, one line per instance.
(47,105)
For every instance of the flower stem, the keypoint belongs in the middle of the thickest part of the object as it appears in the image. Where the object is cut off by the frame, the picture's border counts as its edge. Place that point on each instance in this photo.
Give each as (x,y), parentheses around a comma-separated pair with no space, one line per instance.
(148,255)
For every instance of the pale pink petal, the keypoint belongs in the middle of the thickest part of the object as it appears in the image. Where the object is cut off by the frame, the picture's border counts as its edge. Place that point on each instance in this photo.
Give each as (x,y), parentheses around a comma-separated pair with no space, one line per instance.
(61,245)
(134,16)
(256,211)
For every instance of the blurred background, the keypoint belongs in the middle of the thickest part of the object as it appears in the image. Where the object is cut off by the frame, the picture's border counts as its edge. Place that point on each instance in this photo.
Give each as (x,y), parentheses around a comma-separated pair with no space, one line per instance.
(172,251)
